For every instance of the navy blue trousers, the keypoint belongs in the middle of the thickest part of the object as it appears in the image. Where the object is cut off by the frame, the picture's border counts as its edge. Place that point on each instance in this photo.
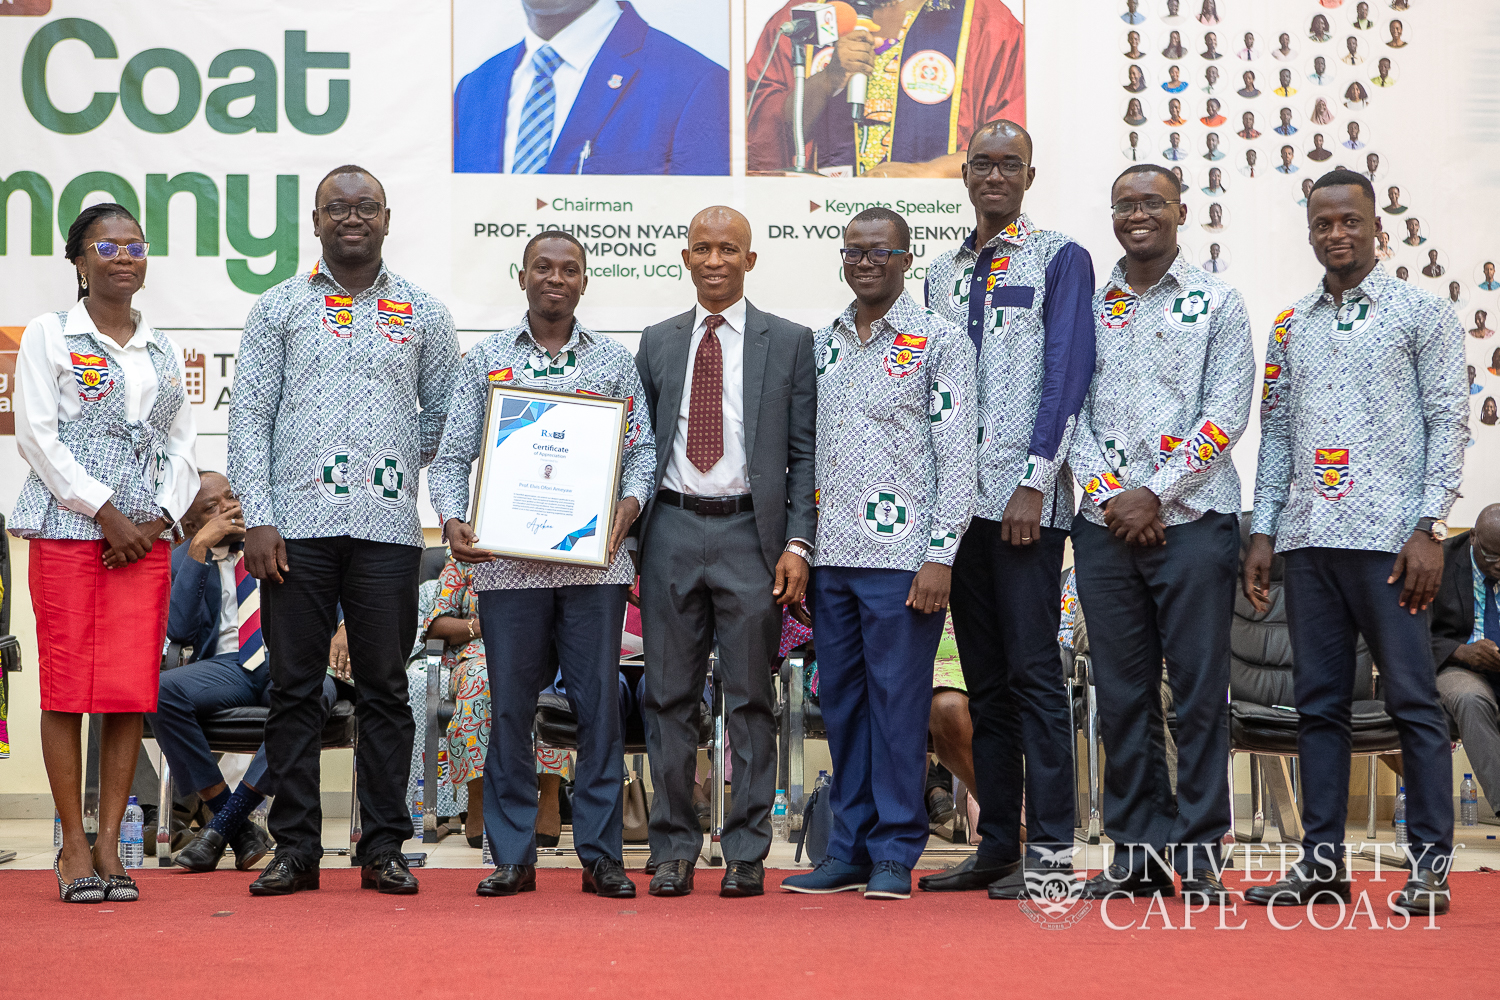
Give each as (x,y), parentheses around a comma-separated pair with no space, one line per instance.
(1332,597)
(1006,603)
(875,660)
(585,621)
(1143,605)
(195,690)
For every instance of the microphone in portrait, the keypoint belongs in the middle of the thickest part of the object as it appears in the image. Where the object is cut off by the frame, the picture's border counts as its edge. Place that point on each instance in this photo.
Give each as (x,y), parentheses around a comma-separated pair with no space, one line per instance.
(858,15)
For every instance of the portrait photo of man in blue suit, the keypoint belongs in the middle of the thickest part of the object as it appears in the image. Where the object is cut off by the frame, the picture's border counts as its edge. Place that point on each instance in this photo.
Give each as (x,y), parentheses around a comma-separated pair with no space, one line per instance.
(593,89)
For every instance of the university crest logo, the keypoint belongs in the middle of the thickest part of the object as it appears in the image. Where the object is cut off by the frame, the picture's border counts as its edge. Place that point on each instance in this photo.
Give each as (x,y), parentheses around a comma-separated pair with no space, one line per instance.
(1331,468)
(1269,399)
(884,513)
(1281,326)
(1054,894)
(1164,449)
(1205,446)
(1119,305)
(396,320)
(904,355)
(338,315)
(91,372)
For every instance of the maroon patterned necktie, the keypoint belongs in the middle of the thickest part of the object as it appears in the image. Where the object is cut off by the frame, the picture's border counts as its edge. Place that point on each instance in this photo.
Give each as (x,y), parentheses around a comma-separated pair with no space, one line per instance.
(705,440)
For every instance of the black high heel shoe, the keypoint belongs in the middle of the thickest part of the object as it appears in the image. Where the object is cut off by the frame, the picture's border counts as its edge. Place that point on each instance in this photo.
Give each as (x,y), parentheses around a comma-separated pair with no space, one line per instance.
(88,889)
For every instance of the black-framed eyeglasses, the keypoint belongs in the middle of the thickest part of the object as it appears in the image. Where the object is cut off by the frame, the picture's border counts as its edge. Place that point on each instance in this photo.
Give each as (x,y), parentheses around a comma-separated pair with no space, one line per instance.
(878,257)
(983,166)
(1153,207)
(338,211)
(1484,556)
(109,250)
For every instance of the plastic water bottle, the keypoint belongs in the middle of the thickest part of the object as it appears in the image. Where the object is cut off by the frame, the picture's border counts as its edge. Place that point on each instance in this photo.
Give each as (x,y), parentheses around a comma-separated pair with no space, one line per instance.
(56,830)
(487,857)
(132,843)
(1399,820)
(1468,802)
(823,781)
(416,812)
(781,823)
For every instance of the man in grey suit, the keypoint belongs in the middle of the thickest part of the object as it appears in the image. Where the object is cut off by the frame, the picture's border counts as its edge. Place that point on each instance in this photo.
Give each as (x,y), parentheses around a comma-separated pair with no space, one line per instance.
(726,539)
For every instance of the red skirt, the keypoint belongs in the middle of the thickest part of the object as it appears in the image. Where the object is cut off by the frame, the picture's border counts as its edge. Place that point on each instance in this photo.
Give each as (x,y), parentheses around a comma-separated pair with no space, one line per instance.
(99,632)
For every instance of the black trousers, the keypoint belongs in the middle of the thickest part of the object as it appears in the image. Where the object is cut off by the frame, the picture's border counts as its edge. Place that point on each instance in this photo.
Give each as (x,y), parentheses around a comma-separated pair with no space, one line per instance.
(376,583)
(1143,605)
(1006,604)
(1332,597)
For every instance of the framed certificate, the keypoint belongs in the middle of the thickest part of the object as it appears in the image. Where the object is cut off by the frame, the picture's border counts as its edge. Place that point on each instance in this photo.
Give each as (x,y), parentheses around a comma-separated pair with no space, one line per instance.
(549,475)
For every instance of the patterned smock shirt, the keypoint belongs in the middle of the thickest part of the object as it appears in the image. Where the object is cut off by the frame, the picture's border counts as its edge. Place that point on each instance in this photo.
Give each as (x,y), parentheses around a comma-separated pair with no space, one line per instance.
(338,402)
(896,440)
(1172,388)
(589,363)
(1025,300)
(1363,415)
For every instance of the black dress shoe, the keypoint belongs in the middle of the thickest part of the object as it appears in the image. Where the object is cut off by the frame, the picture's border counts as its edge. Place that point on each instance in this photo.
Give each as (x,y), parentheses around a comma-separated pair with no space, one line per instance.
(1033,881)
(974,873)
(507,880)
(1119,880)
(1426,893)
(1304,883)
(607,878)
(390,876)
(204,853)
(672,878)
(744,878)
(250,844)
(1205,886)
(285,875)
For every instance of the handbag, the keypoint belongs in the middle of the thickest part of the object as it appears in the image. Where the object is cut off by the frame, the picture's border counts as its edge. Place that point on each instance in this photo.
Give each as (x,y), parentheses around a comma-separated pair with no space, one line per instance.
(817,823)
(637,818)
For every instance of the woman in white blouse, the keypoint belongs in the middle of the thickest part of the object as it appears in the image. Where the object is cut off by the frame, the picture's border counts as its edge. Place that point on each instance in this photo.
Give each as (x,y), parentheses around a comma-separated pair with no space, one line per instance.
(102,419)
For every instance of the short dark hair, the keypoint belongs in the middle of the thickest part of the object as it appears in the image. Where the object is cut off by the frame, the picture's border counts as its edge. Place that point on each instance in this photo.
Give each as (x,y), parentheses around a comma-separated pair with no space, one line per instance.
(74,247)
(1000,126)
(348,168)
(1338,177)
(553,234)
(1147,168)
(879,214)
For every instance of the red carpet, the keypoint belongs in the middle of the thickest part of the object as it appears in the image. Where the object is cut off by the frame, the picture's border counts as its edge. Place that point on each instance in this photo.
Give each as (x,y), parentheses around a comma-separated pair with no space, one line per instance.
(557,942)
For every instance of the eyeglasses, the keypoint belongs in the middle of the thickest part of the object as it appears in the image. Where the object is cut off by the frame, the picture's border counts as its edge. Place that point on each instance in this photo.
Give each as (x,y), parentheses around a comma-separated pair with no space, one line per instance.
(878,257)
(1153,207)
(983,166)
(338,211)
(108,250)
(1483,555)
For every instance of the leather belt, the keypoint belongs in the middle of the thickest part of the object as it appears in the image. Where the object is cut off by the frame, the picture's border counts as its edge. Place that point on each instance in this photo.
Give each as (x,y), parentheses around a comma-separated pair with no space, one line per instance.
(707,505)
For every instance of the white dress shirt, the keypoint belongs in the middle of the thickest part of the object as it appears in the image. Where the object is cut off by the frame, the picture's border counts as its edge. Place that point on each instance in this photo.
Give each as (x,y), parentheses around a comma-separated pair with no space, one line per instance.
(229,601)
(46,395)
(577,44)
(728,476)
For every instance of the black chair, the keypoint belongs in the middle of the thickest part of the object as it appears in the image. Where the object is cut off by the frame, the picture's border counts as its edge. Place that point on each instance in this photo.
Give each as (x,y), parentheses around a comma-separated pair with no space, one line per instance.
(1262,716)
(10,646)
(556,727)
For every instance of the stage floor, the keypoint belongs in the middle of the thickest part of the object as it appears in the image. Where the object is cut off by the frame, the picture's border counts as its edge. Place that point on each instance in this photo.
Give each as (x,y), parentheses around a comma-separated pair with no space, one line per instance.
(32,842)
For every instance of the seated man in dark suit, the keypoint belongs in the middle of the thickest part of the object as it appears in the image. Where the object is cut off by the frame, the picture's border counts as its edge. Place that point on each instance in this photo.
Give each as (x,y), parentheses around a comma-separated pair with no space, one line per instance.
(215,609)
(1465,634)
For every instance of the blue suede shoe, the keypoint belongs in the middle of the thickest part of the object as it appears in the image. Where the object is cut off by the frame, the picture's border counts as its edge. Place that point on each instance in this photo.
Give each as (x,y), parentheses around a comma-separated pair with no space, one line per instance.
(832,875)
(891,880)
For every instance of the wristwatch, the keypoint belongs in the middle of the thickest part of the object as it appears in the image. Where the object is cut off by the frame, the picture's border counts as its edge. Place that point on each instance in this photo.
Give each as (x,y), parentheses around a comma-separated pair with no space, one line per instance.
(1437,529)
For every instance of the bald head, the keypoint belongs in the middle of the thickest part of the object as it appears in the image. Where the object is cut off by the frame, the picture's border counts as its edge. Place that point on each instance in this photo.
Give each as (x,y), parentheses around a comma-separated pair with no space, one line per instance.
(1487,527)
(717,256)
(720,218)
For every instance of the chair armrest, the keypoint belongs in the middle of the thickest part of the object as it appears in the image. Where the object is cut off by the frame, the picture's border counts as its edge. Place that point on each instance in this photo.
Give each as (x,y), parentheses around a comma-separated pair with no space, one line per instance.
(176,655)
